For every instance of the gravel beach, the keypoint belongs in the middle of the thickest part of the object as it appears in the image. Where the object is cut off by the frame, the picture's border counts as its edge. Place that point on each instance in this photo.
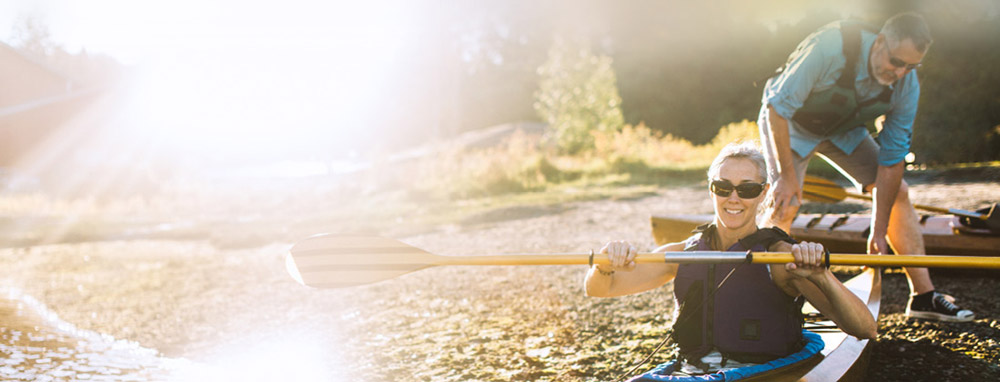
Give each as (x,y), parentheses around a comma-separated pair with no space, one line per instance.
(192,310)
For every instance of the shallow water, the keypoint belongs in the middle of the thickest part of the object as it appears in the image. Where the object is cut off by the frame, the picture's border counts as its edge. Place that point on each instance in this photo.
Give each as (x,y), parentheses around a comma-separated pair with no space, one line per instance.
(38,346)
(164,311)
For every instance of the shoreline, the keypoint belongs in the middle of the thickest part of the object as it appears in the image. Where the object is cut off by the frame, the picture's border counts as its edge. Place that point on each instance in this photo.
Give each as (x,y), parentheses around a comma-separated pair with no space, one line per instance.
(229,310)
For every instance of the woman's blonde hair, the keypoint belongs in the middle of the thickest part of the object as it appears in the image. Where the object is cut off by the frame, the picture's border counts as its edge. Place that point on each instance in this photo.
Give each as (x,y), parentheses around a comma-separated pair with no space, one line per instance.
(751,151)
(740,149)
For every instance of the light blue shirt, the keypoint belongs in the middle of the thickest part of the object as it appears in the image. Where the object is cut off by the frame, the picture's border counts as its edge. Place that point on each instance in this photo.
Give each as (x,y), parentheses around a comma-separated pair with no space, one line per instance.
(815,66)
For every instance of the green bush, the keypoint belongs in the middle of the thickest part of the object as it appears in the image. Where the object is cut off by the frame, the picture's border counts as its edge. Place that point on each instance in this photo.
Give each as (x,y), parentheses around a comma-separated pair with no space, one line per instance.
(577,94)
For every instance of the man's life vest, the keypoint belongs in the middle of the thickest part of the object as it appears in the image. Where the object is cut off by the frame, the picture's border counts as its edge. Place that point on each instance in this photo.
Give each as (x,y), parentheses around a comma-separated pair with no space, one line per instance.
(837,109)
(748,318)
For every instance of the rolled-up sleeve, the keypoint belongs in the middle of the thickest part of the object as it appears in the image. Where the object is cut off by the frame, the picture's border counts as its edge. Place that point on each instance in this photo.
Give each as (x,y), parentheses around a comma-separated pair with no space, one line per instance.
(897,129)
(806,67)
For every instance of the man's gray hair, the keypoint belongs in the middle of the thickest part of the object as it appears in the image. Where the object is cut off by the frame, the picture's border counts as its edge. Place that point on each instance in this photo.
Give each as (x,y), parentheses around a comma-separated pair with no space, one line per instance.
(747,150)
(908,25)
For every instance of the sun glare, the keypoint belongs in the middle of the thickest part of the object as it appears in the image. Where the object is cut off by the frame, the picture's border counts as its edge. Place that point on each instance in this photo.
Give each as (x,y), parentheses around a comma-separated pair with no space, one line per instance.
(246,81)
(300,357)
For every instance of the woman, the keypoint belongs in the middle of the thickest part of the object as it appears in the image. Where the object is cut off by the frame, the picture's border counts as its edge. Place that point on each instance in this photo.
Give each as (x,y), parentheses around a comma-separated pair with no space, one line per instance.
(752,316)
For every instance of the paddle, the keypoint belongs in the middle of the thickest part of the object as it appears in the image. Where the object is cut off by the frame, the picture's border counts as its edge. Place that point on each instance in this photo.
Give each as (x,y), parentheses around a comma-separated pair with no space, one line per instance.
(337,261)
(825,191)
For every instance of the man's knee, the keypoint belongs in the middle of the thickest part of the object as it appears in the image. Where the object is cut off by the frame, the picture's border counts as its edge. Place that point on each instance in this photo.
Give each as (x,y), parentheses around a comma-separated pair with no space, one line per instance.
(782,219)
(903,195)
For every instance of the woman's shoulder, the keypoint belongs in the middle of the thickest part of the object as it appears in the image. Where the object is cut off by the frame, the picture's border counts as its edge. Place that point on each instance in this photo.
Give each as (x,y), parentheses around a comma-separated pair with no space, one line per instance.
(671,247)
(772,238)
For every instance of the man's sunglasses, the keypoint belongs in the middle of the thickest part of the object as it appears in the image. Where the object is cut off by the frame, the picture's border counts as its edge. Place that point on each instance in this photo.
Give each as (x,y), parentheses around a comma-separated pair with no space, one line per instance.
(902,64)
(724,188)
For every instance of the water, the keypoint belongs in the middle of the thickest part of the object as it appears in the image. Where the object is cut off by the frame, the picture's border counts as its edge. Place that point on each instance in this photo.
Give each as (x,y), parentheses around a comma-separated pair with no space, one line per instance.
(35,345)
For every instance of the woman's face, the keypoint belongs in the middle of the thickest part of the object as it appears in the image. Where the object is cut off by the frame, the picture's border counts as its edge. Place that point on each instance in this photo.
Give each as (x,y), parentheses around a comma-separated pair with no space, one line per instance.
(732,211)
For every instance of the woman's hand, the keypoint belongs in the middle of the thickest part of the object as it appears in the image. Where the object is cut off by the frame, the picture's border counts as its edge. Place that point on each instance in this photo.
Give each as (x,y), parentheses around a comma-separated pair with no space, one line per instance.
(809,260)
(621,254)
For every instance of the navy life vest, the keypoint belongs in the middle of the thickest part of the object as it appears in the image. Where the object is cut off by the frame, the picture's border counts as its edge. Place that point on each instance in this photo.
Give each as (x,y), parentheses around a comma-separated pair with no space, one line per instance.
(748,319)
(837,109)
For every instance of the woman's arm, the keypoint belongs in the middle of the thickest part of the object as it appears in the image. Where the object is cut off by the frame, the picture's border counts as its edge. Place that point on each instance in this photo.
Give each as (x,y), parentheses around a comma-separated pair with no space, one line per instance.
(810,278)
(624,276)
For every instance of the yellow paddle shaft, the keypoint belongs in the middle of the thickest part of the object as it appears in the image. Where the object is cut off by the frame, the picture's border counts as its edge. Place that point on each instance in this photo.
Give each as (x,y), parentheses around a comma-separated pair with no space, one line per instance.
(729,257)
(918,206)
(823,190)
(953,211)
(889,260)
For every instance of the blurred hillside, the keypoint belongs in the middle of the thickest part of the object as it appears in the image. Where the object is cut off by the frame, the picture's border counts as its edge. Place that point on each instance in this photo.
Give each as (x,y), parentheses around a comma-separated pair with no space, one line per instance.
(687,69)
(683,69)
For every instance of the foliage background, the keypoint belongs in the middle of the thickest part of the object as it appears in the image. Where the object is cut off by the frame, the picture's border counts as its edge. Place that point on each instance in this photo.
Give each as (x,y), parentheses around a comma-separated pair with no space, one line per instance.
(689,84)
(684,69)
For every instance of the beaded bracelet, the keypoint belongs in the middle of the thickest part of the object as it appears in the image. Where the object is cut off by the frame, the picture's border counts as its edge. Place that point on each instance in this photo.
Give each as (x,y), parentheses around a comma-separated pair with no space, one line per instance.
(608,273)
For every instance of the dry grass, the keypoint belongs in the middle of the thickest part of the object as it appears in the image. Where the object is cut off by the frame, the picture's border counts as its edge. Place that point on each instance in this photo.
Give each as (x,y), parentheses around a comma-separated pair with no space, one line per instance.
(633,155)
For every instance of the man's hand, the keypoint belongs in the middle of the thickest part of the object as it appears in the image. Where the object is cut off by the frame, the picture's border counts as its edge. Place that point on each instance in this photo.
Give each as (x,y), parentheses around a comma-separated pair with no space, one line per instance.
(787,193)
(877,245)
(888,185)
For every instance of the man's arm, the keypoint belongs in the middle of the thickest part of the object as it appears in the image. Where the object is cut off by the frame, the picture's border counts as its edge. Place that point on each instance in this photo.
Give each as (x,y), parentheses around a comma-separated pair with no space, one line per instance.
(807,67)
(786,188)
(894,144)
(887,183)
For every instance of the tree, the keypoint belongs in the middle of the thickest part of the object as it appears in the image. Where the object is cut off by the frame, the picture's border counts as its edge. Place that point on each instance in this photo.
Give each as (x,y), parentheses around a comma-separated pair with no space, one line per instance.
(577,93)
(32,37)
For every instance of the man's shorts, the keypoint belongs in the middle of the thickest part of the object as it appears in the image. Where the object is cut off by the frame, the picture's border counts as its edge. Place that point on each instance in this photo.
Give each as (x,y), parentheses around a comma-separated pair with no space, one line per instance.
(860,166)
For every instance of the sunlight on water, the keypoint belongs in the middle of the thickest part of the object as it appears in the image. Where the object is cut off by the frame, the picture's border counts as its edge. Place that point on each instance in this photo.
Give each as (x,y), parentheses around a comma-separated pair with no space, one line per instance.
(37,345)
(277,357)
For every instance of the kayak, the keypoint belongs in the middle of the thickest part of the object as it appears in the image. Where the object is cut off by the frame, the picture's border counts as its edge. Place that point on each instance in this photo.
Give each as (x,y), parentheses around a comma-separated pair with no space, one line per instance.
(808,355)
(943,234)
(843,357)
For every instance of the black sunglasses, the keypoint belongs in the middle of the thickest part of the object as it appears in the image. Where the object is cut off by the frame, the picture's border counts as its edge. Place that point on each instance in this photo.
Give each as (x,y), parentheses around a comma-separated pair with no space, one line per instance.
(724,188)
(900,63)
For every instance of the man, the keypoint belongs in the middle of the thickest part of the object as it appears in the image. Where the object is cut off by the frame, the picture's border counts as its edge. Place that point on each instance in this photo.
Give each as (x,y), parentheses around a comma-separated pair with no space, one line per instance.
(840,79)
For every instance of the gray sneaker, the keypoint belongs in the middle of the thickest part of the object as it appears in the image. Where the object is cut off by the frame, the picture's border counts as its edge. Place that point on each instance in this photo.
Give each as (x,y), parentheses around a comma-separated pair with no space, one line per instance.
(939,308)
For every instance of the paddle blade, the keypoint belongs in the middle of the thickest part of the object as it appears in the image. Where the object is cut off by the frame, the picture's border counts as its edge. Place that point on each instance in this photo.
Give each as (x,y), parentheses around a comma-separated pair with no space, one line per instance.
(822,190)
(338,261)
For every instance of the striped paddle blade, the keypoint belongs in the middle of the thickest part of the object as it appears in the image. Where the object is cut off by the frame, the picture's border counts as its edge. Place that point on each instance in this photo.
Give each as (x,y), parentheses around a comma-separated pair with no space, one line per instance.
(337,261)
(822,190)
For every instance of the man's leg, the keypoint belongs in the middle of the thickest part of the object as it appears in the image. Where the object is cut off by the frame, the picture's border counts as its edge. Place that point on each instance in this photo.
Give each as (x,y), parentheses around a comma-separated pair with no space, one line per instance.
(861,167)
(903,234)
(905,238)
